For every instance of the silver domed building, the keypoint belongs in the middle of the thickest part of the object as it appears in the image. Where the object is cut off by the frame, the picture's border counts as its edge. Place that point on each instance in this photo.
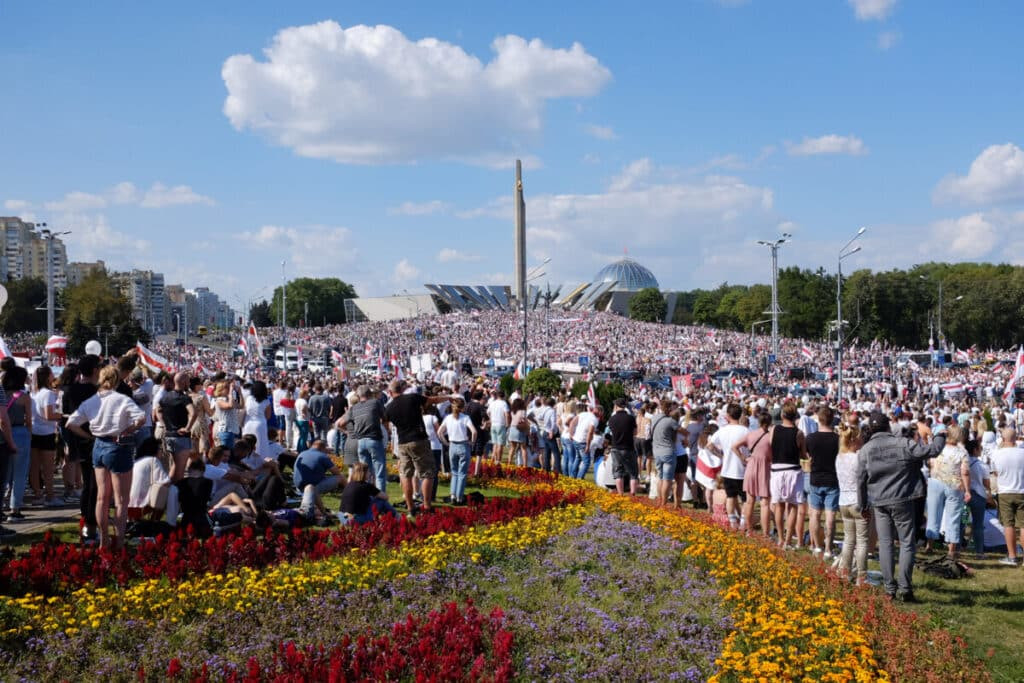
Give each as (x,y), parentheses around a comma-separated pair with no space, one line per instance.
(628,275)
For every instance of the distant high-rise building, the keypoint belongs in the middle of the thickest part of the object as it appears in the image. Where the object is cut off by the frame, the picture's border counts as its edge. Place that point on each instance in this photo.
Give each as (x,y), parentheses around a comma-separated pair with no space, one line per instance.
(144,290)
(24,253)
(79,270)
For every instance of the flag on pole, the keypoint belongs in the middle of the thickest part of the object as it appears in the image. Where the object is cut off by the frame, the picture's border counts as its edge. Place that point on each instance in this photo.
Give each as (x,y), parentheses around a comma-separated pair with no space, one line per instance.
(154,361)
(591,398)
(1018,372)
(518,374)
(367,350)
(337,358)
(913,365)
(256,339)
(998,367)
(962,356)
(807,353)
(380,363)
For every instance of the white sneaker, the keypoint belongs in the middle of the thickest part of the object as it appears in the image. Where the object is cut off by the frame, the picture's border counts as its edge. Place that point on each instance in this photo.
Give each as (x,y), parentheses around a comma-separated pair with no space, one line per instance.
(827,556)
(816,552)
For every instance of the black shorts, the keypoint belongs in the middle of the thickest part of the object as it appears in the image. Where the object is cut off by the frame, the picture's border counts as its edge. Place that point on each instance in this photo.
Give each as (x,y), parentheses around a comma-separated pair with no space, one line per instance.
(623,463)
(682,464)
(44,442)
(733,488)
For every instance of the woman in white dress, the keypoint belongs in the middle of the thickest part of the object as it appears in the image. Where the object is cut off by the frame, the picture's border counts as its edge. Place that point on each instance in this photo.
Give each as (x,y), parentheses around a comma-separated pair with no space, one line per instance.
(257,412)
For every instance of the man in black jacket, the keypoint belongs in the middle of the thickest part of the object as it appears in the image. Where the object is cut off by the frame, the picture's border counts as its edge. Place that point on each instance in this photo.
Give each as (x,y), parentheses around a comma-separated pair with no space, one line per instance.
(889,471)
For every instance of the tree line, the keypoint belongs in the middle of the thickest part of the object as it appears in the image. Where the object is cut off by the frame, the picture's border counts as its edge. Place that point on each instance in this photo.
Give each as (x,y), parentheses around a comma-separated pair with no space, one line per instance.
(982,304)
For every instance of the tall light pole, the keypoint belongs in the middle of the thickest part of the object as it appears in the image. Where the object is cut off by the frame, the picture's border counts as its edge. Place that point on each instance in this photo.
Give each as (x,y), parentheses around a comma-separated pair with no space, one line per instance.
(774,246)
(843,253)
(942,337)
(284,309)
(49,236)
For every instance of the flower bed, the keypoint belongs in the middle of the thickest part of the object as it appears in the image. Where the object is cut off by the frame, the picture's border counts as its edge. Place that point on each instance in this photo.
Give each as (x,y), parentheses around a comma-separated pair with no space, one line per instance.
(793,619)
(585,593)
(605,598)
(449,645)
(50,567)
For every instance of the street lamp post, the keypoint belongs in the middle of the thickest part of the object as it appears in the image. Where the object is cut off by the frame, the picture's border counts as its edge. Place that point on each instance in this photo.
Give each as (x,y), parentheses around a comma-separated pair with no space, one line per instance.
(774,246)
(284,310)
(942,336)
(843,253)
(49,236)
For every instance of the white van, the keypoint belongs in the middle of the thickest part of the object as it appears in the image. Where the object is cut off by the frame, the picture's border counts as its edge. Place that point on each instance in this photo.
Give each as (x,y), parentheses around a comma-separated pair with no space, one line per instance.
(286,360)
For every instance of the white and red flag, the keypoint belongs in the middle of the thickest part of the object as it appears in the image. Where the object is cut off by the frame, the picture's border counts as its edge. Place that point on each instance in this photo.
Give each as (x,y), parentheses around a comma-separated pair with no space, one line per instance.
(807,353)
(152,360)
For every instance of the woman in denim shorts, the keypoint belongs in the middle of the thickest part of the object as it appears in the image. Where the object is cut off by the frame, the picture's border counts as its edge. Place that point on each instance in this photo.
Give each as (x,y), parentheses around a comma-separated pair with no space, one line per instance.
(112,418)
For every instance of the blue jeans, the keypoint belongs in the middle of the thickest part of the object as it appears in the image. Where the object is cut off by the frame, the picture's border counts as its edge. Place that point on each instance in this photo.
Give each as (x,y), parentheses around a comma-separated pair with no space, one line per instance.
(310,493)
(458,453)
(226,439)
(17,469)
(372,453)
(549,454)
(377,505)
(977,506)
(944,509)
(582,459)
(568,458)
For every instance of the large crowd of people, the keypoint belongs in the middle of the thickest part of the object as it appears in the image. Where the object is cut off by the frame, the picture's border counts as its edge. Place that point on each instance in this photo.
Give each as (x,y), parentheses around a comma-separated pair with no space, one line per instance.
(904,456)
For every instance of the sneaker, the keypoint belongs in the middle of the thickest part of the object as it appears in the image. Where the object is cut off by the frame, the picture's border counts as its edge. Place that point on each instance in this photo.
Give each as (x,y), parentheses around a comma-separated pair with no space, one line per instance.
(53,502)
(16,516)
(907,598)
(1009,561)
(827,555)
(816,552)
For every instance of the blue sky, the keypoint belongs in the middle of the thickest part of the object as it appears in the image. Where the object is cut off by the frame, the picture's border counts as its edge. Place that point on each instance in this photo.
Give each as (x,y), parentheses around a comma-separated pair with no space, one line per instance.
(374,142)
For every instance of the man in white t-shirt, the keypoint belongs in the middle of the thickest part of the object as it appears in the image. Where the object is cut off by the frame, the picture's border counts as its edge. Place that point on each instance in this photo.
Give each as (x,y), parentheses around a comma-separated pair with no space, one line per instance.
(582,436)
(733,467)
(1008,463)
(499,415)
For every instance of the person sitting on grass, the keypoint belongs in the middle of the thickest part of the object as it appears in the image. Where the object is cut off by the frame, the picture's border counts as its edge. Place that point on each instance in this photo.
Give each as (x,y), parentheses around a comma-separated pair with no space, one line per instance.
(315,474)
(361,501)
(194,499)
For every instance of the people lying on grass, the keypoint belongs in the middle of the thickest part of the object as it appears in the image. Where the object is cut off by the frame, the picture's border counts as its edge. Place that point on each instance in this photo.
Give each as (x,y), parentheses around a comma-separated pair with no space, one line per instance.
(361,501)
(228,478)
(246,507)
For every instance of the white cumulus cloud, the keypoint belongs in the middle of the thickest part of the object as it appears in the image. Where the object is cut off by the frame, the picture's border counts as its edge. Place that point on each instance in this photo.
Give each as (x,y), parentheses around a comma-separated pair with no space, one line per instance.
(965,238)
(404,273)
(867,10)
(601,132)
(370,95)
(312,250)
(996,175)
(419,208)
(827,144)
(449,255)
(157,196)
(649,210)
(17,205)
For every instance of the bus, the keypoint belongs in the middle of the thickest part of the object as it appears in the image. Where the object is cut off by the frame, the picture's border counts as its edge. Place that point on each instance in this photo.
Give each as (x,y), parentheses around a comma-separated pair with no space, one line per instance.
(202,331)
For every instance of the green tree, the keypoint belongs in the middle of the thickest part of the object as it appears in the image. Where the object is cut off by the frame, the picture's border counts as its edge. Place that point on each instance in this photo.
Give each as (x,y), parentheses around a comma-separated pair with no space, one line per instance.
(259,314)
(542,382)
(96,303)
(647,305)
(20,313)
(325,297)
(604,392)
(509,384)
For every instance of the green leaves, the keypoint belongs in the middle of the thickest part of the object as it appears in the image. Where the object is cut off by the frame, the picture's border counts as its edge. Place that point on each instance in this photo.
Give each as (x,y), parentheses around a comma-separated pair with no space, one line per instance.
(647,305)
